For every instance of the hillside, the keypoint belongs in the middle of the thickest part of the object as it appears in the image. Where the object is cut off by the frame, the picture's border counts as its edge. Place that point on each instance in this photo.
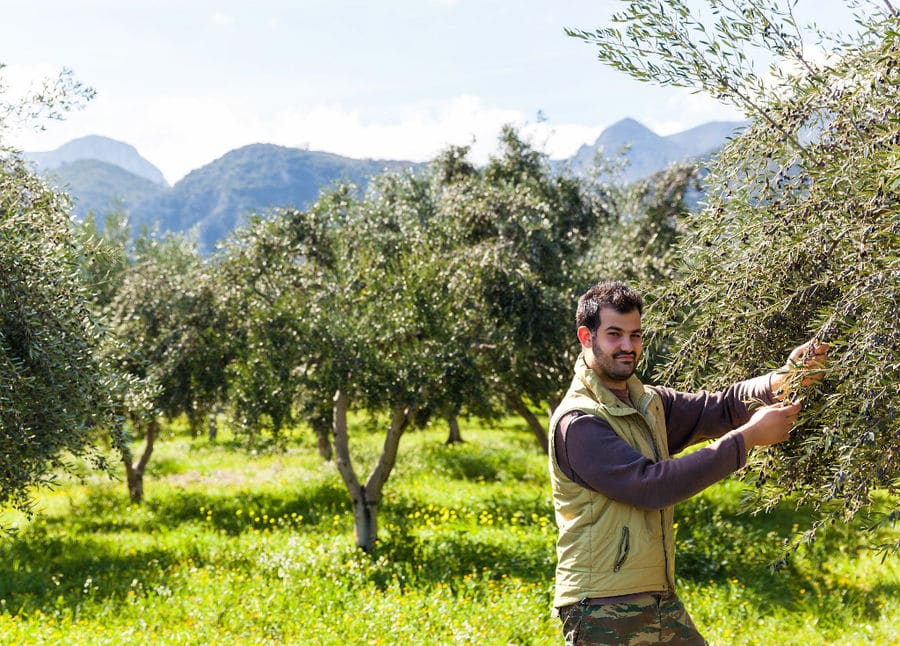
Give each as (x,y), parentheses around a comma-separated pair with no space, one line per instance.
(101,149)
(648,152)
(101,187)
(218,197)
(102,174)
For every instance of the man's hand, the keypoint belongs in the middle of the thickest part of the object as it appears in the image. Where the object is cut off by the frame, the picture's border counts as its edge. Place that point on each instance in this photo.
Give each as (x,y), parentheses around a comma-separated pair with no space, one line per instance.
(805,366)
(810,359)
(770,425)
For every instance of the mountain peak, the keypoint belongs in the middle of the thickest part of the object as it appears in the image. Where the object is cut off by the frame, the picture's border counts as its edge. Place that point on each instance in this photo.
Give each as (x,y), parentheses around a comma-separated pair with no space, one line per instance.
(97,142)
(98,148)
(629,124)
(627,132)
(648,152)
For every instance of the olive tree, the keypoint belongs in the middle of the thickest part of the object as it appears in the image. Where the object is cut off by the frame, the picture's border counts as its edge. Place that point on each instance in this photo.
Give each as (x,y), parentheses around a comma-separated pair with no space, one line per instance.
(400,331)
(521,228)
(164,325)
(800,234)
(54,388)
(343,307)
(636,241)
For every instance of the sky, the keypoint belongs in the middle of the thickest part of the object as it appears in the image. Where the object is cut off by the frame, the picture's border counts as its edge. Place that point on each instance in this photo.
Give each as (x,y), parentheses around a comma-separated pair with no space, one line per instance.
(186,81)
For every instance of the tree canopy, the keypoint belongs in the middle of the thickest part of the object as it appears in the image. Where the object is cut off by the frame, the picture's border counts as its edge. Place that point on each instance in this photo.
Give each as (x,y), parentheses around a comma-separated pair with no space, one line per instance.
(54,387)
(799,236)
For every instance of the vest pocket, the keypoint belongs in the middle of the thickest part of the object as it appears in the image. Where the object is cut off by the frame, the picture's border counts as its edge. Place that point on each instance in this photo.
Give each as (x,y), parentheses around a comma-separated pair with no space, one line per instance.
(624,546)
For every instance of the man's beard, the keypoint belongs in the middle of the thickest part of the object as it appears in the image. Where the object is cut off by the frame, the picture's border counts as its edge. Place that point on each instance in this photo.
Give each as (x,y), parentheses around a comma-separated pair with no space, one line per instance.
(611,368)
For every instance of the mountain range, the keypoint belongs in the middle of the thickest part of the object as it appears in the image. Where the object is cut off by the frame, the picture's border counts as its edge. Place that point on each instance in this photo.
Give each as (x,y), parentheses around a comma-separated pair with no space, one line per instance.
(647,152)
(102,175)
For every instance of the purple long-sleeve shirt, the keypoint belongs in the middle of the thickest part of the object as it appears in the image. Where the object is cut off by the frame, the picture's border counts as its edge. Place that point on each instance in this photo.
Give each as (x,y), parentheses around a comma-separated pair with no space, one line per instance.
(590,453)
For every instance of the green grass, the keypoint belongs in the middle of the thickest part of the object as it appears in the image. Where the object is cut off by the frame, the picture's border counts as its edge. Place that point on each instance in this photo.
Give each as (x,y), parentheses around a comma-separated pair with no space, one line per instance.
(236,548)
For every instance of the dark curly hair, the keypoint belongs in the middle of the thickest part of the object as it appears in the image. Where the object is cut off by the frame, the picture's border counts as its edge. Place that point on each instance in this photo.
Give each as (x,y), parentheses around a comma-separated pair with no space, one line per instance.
(614,294)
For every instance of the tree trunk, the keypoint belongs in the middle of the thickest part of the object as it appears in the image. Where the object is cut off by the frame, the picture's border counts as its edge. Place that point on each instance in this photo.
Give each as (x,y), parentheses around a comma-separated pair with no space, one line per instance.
(321,430)
(194,420)
(325,449)
(135,472)
(454,437)
(212,426)
(365,520)
(365,498)
(135,483)
(531,419)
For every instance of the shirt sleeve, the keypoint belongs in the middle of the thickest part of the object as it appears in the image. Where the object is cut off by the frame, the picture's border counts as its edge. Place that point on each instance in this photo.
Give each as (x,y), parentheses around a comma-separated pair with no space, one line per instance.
(590,453)
(693,417)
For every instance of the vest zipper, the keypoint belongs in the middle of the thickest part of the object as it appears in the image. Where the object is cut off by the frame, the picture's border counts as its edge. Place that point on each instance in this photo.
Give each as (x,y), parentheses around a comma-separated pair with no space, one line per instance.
(624,546)
(662,526)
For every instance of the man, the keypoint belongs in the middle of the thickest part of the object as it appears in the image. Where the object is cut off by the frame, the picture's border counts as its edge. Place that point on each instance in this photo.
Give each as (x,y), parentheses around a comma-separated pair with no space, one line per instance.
(615,485)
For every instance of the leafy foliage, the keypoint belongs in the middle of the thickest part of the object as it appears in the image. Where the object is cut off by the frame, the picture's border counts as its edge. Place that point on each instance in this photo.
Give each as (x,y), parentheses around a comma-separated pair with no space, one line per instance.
(48,100)
(103,255)
(278,281)
(533,226)
(165,327)
(53,387)
(799,237)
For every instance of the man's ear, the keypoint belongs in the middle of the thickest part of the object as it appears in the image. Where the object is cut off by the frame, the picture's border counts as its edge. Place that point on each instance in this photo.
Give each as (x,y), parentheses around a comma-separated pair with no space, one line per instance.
(584,336)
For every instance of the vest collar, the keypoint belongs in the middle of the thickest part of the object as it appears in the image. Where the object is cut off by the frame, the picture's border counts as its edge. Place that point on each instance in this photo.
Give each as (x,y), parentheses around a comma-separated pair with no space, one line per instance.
(595,389)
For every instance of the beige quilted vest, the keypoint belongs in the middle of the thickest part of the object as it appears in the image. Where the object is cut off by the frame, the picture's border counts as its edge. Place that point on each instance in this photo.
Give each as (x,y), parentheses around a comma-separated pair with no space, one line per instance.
(606,548)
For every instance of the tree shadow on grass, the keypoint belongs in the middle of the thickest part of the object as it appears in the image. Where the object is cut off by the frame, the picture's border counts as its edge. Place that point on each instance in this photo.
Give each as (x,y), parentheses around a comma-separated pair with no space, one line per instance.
(716,546)
(459,554)
(479,463)
(453,551)
(231,512)
(38,571)
(453,556)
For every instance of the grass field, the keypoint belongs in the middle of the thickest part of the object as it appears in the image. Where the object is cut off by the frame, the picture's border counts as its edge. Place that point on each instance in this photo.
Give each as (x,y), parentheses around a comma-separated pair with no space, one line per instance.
(237,547)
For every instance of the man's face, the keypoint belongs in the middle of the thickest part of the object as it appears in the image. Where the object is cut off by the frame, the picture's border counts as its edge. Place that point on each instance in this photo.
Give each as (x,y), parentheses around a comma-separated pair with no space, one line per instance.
(616,346)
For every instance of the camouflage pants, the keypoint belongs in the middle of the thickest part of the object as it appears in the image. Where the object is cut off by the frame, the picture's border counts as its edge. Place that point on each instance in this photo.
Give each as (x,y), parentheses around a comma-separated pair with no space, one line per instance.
(651,619)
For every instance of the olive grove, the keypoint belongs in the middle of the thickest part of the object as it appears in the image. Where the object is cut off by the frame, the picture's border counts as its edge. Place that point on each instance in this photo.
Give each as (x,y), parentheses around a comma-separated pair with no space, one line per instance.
(432,296)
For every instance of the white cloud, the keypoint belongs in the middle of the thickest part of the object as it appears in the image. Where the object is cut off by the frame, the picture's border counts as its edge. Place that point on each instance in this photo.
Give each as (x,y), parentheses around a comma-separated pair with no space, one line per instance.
(181,133)
(416,132)
(560,140)
(420,132)
(684,110)
(222,19)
